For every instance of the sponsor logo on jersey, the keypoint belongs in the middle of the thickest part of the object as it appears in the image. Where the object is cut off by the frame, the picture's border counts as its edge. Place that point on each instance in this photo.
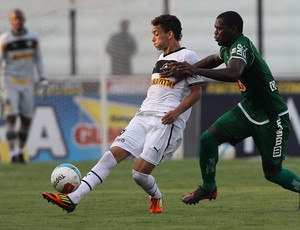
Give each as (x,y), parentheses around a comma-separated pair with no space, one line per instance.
(162,82)
(241,50)
(278,141)
(22,56)
(233,51)
(241,86)
(273,86)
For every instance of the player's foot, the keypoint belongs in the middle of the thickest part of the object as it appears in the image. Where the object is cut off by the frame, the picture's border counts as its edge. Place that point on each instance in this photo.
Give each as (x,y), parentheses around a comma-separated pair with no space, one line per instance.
(62,200)
(21,158)
(199,194)
(156,205)
(18,158)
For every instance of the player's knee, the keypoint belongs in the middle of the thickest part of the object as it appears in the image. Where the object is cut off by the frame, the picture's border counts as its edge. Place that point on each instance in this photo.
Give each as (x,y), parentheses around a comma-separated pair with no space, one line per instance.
(208,140)
(139,178)
(270,171)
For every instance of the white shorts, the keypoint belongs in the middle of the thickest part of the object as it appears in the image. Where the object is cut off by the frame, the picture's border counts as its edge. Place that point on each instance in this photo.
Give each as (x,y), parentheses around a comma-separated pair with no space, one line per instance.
(148,138)
(20,100)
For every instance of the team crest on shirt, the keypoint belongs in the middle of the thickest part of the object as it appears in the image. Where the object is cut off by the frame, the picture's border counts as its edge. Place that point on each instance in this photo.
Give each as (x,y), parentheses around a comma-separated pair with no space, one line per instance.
(29,43)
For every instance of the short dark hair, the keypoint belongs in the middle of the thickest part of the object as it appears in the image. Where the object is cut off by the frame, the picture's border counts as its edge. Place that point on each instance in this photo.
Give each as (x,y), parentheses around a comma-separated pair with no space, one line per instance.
(232,18)
(169,23)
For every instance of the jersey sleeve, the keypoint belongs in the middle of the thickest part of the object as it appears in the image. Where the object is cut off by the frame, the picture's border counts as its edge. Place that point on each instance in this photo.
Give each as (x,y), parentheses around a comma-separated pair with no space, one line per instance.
(242,51)
(39,63)
(192,58)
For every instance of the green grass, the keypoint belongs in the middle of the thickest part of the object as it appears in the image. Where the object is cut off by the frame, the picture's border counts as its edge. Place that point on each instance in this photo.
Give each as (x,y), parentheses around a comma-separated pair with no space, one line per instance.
(246,200)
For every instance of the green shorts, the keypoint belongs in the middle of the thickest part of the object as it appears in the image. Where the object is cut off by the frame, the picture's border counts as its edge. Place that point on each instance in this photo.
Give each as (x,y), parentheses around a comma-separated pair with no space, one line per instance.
(270,139)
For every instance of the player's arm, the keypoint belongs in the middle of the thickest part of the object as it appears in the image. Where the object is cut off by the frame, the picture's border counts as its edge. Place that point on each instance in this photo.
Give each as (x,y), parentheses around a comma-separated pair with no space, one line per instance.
(39,63)
(189,101)
(2,51)
(209,62)
(231,73)
(180,70)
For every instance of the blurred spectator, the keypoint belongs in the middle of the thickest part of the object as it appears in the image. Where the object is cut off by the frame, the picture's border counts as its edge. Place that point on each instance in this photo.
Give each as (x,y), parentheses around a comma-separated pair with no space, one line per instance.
(121,47)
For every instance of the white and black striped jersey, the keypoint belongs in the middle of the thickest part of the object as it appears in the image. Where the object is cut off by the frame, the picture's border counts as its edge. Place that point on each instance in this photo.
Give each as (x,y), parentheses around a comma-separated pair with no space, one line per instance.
(20,54)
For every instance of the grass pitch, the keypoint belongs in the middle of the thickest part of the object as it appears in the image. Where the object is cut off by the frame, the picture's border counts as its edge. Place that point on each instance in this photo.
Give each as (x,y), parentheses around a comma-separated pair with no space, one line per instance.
(246,200)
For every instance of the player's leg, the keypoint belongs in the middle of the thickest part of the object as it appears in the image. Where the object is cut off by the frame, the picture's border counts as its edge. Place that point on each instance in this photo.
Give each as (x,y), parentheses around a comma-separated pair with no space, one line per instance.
(271,140)
(98,174)
(142,176)
(162,141)
(11,112)
(93,178)
(129,142)
(141,173)
(26,108)
(224,129)
(12,137)
(22,135)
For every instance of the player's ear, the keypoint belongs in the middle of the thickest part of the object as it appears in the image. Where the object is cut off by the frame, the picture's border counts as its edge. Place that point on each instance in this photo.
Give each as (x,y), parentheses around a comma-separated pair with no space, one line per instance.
(235,28)
(170,34)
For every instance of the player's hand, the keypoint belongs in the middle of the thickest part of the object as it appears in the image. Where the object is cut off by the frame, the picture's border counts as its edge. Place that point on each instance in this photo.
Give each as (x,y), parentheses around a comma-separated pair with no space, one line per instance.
(170,117)
(43,83)
(178,70)
(43,86)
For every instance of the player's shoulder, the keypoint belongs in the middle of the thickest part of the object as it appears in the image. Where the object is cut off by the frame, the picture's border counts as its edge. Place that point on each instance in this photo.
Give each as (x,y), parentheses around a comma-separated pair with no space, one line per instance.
(242,40)
(4,34)
(32,34)
(186,51)
(190,56)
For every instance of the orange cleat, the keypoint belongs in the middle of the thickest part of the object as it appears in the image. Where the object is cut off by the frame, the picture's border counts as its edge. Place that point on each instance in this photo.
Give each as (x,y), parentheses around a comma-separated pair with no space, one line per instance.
(156,205)
(61,200)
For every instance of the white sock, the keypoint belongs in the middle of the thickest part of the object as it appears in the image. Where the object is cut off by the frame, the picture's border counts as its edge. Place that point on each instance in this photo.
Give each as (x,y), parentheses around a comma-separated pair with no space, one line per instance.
(148,183)
(94,177)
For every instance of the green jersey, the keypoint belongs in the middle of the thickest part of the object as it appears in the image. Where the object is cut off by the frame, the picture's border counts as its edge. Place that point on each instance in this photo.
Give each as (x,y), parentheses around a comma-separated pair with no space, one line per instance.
(261,99)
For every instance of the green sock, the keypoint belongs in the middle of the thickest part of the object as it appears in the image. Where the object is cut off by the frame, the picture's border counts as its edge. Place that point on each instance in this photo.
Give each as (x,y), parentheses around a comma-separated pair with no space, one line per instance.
(287,179)
(208,160)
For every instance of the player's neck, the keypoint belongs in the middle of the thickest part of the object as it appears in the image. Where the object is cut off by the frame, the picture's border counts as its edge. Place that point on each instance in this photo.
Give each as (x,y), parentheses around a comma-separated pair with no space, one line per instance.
(172,47)
(19,32)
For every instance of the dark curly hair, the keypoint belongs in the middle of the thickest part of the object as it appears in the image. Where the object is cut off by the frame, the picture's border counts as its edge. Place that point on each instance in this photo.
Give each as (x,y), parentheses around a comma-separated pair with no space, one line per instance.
(169,23)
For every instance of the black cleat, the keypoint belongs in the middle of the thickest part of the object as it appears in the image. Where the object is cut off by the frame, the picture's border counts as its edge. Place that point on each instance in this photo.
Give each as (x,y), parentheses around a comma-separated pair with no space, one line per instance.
(18,158)
(199,194)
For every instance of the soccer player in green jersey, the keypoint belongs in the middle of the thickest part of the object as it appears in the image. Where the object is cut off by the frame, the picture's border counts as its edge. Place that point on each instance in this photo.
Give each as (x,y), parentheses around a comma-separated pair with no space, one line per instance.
(262,114)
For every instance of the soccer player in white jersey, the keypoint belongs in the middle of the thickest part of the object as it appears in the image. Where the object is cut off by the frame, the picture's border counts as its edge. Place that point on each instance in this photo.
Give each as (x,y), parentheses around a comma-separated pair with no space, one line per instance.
(19,54)
(156,131)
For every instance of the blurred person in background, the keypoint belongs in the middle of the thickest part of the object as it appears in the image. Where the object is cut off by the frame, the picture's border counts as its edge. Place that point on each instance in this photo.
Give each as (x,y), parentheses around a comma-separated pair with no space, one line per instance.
(19,55)
(262,114)
(121,47)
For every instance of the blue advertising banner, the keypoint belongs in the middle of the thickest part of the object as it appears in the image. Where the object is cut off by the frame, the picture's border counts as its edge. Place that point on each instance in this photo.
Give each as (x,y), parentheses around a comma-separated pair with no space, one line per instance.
(67,124)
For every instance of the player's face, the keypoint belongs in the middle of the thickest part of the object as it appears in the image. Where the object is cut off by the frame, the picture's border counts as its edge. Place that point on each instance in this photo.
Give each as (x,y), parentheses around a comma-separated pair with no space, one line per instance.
(223,33)
(160,38)
(17,21)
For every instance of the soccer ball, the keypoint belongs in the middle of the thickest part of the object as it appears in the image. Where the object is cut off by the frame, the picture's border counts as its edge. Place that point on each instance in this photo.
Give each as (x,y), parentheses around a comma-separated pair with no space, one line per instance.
(65,178)
(226,151)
